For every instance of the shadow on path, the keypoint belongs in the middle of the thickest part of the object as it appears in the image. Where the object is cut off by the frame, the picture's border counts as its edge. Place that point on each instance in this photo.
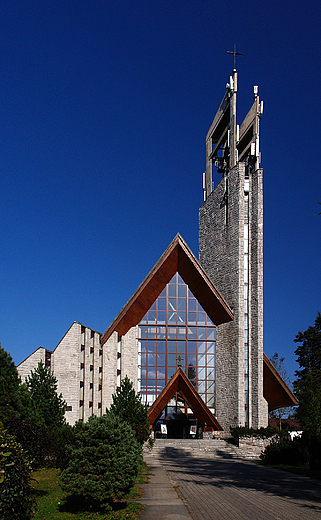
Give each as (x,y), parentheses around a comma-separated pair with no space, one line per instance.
(243,475)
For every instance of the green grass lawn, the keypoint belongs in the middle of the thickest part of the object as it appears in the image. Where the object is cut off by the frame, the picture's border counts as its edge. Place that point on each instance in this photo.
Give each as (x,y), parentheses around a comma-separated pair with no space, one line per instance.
(54,504)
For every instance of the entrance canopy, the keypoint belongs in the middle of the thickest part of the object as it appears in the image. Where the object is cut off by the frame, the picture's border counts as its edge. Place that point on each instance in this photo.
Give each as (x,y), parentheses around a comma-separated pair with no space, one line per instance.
(180,383)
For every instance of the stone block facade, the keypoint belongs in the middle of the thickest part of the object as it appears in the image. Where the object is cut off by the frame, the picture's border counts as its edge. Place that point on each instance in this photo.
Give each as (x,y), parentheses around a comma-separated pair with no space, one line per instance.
(31,363)
(259,408)
(112,369)
(129,356)
(78,365)
(87,373)
(66,366)
(231,253)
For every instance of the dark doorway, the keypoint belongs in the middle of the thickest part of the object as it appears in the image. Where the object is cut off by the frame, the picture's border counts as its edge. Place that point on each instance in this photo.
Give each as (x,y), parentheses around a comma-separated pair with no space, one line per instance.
(178,427)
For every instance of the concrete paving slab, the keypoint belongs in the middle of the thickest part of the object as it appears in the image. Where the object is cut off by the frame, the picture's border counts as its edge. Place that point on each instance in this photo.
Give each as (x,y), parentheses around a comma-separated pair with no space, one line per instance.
(160,499)
(225,488)
(239,490)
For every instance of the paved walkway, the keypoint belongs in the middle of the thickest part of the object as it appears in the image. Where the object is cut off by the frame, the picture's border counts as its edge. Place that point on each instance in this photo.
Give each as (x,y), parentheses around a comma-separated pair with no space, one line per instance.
(160,498)
(226,489)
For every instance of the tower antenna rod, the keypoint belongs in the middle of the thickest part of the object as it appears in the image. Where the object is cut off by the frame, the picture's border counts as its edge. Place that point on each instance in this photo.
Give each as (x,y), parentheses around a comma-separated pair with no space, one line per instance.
(235,54)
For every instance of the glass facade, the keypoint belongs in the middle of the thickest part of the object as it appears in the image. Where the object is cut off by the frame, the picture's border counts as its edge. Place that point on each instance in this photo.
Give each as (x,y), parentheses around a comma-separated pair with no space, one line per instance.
(175,332)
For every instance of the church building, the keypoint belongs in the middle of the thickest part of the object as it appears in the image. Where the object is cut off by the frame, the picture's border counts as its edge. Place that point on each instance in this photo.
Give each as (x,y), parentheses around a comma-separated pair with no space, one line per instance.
(191,336)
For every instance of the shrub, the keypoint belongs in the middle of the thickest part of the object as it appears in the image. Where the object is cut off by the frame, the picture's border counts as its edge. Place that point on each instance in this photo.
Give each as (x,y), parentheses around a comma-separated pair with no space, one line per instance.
(61,437)
(302,451)
(16,501)
(103,460)
(315,459)
(46,448)
(33,439)
(311,444)
(262,433)
(287,452)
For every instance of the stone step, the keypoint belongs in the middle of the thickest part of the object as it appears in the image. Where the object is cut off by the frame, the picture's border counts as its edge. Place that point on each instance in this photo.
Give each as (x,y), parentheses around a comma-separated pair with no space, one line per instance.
(215,448)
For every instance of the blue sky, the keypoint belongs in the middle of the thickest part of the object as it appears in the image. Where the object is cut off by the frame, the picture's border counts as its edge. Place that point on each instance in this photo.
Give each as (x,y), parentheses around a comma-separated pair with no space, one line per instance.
(104,109)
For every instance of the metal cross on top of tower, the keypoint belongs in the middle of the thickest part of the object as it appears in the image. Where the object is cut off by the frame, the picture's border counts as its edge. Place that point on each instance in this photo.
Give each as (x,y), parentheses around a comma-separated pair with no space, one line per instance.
(235,54)
(228,143)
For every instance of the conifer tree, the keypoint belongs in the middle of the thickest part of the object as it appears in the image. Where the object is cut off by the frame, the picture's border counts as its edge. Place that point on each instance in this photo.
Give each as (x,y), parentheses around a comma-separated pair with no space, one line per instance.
(10,393)
(128,405)
(308,383)
(103,460)
(47,407)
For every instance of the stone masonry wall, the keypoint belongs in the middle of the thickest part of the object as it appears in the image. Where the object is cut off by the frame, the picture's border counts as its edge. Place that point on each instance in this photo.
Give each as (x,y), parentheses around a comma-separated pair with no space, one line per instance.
(220,246)
(221,254)
(109,379)
(259,405)
(77,363)
(65,364)
(129,356)
(91,377)
(31,363)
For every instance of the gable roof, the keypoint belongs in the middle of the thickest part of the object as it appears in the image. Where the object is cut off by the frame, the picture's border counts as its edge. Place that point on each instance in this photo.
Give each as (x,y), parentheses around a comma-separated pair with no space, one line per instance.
(181,383)
(177,258)
(275,390)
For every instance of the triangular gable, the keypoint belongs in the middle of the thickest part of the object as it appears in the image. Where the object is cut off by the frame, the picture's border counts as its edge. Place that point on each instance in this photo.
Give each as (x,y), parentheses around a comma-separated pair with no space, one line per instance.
(180,382)
(177,258)
(275,390)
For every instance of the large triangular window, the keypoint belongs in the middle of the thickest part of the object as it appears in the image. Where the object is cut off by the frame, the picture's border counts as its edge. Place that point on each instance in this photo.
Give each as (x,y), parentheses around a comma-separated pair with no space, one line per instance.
(175,332)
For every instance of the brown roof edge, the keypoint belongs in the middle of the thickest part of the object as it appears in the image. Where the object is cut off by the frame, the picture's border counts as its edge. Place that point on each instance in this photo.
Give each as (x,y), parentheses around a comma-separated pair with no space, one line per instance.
(275,390)
(177,257)
(180,382)
(227,313)
(112,327)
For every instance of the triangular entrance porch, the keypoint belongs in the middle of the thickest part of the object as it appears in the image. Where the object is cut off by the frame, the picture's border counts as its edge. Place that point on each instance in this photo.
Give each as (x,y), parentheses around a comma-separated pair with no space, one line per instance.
(181,383)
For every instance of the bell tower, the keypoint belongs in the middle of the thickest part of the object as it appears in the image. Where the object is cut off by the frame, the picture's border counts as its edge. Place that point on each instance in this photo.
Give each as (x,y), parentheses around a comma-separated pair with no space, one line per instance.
(231,253)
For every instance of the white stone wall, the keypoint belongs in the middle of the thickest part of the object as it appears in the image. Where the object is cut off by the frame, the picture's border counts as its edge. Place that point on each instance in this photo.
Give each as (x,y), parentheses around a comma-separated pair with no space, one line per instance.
(88,379)
(259,405)
(129,356)
(97,383)
(78,365)
(31,363)
(65,366)
(109,371)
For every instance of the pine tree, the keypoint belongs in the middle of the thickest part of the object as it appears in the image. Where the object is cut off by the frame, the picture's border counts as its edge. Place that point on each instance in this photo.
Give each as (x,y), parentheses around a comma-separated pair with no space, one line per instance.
(128,405)
(47,407)
(103,460)
(308,383)
(10,392)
